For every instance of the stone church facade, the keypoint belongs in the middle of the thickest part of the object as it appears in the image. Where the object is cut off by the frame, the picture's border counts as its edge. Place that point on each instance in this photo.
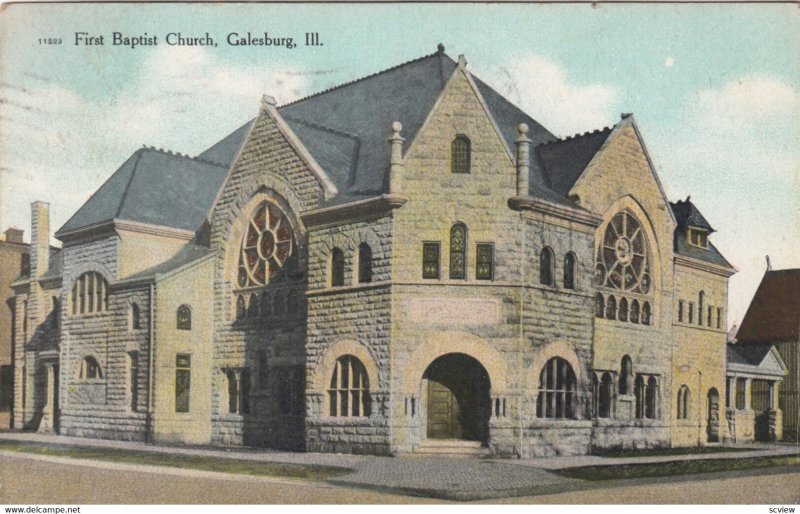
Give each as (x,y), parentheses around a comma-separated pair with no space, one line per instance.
(404,263)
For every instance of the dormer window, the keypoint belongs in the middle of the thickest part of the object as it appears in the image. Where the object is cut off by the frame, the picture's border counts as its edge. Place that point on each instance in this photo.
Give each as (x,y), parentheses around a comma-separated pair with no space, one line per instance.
(698,238)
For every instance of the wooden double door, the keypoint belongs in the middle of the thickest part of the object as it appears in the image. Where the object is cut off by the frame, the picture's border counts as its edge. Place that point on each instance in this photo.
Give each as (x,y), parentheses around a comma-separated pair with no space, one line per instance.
(458,405)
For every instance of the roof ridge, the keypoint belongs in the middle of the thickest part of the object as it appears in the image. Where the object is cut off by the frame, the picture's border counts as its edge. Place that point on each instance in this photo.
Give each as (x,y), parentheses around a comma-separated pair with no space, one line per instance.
(128,185)
(573,137)
(321,127)
(339,86)
(181,155)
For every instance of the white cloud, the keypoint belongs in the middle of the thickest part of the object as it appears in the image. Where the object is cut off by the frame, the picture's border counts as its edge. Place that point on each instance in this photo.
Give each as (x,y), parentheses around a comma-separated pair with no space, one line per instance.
(184,98)
(545,91)
(668,62)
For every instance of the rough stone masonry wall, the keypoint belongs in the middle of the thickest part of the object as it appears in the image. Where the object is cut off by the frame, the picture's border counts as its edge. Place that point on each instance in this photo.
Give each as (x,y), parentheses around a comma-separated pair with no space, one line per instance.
(354,314)
(102,407)
(267,165)
(554,315)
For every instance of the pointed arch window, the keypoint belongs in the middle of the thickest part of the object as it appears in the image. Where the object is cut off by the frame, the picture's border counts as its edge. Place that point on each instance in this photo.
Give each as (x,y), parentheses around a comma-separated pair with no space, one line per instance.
(546,266)
(460,150)
(458,251)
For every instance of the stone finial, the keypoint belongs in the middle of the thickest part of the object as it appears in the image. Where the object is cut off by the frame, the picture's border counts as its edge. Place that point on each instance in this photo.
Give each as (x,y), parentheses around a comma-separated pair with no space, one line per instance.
(462,61)
(396,160)
(268,100)
(769,264)
(523,143)
(625,115)
(440,48)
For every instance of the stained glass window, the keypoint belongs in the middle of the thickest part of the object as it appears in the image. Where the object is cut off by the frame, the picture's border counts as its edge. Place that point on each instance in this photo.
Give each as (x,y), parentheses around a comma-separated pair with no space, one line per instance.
(182,382)
(484,256)
(460,154)
(623,256)
(430,260)
(184,317)
(458,251)
(267,245)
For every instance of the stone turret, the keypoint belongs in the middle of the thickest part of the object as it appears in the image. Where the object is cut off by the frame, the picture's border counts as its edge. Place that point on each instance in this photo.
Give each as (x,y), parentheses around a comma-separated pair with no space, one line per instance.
(396,160)
(523,143)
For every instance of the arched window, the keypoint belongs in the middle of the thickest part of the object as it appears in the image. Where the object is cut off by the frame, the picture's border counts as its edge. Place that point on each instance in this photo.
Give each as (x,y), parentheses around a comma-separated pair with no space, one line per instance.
(606,395)
(252,306)
(700,298)
(634,315)
(646,313)
(546,264)
(638,391)
(458,251)
(623,310)
(599,305)
(557,390)
(569,271)
(184,317)
(460,154)
(364,263)
(623,256)
(611,307)
(349,391)
(626,375)
(89,294)
(134,319)
(337,267)
(241,307)
(683,402)
(651,397)
(133,380)
(90,369)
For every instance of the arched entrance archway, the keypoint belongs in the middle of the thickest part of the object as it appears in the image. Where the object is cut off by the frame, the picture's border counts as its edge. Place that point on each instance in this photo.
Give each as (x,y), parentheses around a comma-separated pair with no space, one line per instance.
(713,415)
(458,401)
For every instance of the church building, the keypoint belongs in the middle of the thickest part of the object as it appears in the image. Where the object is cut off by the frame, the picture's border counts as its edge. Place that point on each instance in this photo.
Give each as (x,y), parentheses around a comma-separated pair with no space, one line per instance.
(404,263)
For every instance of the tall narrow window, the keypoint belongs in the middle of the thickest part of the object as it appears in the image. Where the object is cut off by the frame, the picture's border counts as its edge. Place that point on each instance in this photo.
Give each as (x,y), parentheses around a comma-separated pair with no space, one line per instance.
(133,377)
(638,391)
(364,263)
(252,305)
(569,271)
(546,266)
(623,310)
(741,386)
(460,154)
(233,391)
(691,312)
(626,375)
(683,402)
(557,390)
(611,307)
(708,316)
(337,267)
(135,323)
(634,313)
(430,260)
(646,313)
(184,317)
(606,390)
(349,392)
(458,251)
(484,257)
(183,374)
(680,311)
(700,298)
(651,397)
(56,313)
(719,317)
(241,307)
(599,305)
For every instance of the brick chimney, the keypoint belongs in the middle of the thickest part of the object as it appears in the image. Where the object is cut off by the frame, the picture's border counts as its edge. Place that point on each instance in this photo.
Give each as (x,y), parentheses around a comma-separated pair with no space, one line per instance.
(40,238)
(14,235)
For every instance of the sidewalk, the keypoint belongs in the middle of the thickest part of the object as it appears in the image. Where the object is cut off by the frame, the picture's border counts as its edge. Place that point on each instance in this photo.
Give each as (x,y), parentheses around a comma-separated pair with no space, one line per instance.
(437,477)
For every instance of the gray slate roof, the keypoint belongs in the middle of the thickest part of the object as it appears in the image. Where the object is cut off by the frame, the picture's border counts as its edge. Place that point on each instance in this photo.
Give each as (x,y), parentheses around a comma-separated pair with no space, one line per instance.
(154,187)
(743,353)
(687,214)
(558,164)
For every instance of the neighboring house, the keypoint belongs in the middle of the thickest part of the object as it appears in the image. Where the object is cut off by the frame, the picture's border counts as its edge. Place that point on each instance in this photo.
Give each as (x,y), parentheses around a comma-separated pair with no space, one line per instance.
(404,263)
(773,319)
(14,260)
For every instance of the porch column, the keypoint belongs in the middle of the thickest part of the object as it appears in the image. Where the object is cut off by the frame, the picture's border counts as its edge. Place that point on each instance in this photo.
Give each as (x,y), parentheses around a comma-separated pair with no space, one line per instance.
(748,382)
(46,423)
(730,390)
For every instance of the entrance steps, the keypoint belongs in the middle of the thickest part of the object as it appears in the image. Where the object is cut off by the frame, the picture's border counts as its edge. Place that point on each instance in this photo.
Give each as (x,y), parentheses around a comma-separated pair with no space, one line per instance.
(452,448)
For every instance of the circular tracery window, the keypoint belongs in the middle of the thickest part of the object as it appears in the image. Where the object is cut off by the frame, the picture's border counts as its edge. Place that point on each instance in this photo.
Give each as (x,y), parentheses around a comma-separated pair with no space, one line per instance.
(623,256)
(266,247)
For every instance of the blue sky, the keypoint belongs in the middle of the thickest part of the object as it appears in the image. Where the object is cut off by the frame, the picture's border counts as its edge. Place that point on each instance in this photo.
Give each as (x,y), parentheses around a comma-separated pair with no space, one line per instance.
(715,90)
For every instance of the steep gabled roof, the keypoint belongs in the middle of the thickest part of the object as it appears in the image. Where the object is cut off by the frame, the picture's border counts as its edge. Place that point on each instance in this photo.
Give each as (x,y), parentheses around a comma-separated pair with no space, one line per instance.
(774,312)
(758,359)
(153,187)
(560,163)
(688,215)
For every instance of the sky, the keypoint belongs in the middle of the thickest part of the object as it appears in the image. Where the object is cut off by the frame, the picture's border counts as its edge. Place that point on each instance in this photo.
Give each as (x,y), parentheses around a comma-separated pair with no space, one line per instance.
(715,90)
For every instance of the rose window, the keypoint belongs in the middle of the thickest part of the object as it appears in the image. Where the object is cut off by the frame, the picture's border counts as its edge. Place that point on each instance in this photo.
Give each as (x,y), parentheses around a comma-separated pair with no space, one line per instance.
(266,247)
(623,257)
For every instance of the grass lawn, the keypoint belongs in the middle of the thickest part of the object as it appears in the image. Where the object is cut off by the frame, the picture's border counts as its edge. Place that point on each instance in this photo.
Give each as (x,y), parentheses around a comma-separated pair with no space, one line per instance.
(683,467)
(657,452)
(242,467)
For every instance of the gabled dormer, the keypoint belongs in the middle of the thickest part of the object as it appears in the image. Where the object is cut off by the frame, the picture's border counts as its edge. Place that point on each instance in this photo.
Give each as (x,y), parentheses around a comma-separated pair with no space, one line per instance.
(692,234)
